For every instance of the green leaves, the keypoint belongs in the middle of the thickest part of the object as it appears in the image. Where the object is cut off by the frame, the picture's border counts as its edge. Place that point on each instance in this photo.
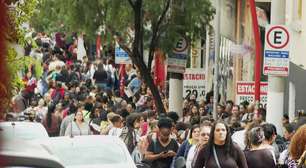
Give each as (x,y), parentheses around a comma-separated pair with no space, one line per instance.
(18,64)
(20,13)
(184,17)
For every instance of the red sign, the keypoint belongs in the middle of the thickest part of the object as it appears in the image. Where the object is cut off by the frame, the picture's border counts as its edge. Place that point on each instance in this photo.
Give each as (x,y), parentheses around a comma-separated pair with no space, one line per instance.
(248,88)
(188,76)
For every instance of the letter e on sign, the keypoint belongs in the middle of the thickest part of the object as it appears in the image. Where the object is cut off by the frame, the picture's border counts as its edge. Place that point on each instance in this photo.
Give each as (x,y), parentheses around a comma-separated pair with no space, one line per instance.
(181,45)
(277,37)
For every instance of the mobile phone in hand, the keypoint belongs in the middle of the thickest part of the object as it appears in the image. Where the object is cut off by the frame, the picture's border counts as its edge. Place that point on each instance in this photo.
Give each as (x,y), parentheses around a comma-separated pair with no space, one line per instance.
(165,152)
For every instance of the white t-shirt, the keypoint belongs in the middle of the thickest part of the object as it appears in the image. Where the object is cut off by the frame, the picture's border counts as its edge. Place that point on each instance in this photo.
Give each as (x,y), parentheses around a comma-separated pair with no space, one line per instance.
(81,52)
(190,156)
(239,137)
(115,131)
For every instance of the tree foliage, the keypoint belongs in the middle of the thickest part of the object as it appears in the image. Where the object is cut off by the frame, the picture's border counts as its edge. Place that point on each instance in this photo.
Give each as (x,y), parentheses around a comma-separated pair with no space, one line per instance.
(20,12)
(137,25)
(187,17)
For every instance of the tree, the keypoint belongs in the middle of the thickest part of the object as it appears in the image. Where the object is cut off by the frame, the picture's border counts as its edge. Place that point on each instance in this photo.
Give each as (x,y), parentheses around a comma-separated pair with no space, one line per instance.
(140,24)
(19,12)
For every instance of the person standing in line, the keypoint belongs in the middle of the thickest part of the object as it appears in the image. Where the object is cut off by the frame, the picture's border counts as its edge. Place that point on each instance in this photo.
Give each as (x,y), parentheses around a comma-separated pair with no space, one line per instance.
(129,133)
(270,136)
(194,150)
(162,149)
(78,126)
(100,77)
(220,150)
(73,108)
(258,156)
(288,134)
(297,149)
(193,139)
(51,122)
(117,126)
(41,111)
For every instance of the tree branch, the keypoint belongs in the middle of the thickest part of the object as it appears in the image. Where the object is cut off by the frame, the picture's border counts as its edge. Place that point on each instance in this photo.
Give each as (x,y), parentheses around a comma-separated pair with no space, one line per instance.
(119,40)
(132,4)
(155,36)
(163,14)
(138,30)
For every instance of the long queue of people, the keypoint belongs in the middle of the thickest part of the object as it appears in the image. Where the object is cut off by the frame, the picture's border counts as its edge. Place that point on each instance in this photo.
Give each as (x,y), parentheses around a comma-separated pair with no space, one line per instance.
(78,96)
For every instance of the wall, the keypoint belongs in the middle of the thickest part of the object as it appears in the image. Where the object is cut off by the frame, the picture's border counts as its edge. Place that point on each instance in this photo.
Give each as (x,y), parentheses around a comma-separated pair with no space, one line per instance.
(297,78)
(296,20)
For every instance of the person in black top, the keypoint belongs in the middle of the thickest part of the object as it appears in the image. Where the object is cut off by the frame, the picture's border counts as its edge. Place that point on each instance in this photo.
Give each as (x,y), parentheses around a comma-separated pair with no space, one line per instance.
(220,151)
(162,149)
(100,77)
(258,156)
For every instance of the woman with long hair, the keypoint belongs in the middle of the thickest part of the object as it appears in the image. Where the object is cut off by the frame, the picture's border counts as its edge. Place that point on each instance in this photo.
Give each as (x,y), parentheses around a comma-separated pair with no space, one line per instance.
(193,139)
(258,156)
(129,133)
(194,115)
(78,126)
(297,149)
(194,150)
(220,150)
(51,121)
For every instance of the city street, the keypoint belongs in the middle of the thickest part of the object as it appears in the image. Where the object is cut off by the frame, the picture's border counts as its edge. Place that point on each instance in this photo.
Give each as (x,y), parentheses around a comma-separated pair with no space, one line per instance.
(152,84)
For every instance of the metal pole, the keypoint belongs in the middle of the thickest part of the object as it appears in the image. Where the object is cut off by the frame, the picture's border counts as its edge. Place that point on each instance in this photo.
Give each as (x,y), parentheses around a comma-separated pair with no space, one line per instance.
(207,57)
(276,85)
(217,53)
(257,67)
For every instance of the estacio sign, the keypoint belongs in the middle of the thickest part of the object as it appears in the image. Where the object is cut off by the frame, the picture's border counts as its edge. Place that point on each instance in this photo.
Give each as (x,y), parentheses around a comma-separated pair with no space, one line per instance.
(246,90)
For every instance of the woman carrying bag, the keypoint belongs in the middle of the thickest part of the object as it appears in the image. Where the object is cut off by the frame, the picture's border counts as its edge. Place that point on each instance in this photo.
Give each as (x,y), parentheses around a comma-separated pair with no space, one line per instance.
(221,151)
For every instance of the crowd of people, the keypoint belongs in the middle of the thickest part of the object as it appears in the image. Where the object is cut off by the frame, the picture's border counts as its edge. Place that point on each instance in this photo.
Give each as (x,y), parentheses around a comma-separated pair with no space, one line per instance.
(78,96)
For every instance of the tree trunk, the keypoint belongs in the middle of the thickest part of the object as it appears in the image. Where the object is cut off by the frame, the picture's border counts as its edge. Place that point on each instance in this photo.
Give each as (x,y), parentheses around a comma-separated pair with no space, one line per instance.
(137,56)
(146,75)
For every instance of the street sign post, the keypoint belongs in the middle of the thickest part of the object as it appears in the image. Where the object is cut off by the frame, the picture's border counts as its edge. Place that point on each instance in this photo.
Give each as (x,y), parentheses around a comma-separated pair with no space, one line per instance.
(178,59)
(276,54)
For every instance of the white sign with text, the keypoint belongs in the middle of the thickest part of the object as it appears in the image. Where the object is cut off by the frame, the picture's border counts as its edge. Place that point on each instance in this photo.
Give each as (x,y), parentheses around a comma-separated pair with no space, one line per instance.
(194,83)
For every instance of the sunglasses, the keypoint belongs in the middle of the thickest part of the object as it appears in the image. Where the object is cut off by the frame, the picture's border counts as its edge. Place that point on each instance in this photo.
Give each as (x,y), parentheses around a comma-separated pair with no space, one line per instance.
(205,134)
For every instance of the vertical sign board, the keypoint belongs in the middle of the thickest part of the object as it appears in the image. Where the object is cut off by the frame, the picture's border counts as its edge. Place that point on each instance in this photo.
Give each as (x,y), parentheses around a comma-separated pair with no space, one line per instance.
(246,90)
(195,54)
(276,54)
(177,61)
(121,57)
(194,83)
